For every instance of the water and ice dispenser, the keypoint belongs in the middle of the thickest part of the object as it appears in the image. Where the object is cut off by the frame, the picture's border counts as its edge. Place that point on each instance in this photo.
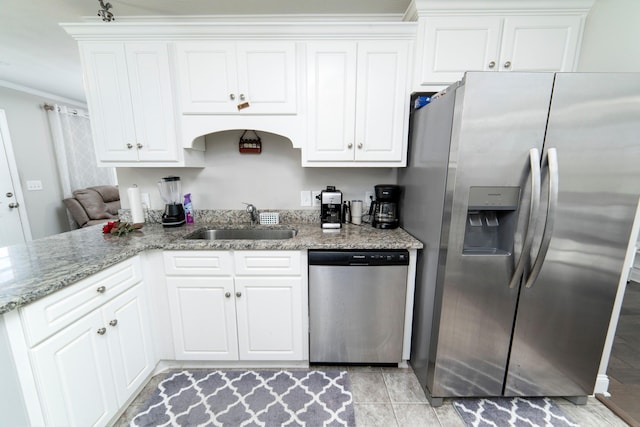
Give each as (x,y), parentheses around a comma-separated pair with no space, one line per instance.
(491,220)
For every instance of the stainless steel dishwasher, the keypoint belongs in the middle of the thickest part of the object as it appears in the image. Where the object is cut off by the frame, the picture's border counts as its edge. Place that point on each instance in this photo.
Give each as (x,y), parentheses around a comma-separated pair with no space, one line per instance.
(357,305)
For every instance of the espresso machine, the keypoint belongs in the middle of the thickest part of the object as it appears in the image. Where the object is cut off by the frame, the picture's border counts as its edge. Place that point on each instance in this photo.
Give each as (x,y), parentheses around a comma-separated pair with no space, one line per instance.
(171,192)
(384,209)
(330,208)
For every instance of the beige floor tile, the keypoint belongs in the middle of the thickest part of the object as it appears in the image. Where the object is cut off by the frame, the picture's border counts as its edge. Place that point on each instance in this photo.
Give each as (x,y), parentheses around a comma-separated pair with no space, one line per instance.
(364,368)
(404,388)
(448,416)
(368,387)
(374,414)
(415,415)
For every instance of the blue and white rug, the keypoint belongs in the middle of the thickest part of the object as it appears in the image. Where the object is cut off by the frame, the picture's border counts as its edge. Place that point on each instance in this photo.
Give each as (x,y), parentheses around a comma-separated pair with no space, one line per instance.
(250,398)
(512,412)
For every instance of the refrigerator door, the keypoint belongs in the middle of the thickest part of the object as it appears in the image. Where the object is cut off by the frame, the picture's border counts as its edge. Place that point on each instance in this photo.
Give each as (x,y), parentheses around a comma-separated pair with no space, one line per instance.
(498,118)
(563,317)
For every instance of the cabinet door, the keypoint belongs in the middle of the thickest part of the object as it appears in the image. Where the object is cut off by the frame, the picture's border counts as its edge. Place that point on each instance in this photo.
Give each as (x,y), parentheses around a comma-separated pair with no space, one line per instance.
(73,375)
(269,315)
(267,77)
(109,101)
(207,77)
(126,319)
(152,101)
(381,102)
(540,43)
(455,44)
(331,74)
(203,318)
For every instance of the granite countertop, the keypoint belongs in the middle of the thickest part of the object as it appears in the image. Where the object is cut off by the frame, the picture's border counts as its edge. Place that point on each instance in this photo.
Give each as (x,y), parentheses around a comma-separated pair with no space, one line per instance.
(36,269)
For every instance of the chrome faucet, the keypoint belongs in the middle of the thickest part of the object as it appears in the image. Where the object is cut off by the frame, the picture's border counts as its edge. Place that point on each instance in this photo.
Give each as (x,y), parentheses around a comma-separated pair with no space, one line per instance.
(253,212)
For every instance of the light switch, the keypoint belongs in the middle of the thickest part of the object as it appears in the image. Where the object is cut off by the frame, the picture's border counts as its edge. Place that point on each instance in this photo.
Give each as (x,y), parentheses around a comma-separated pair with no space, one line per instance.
(34,185)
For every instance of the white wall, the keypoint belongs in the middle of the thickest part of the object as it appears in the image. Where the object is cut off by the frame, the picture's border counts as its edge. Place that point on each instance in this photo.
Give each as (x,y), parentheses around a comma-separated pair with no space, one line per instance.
(270,180)
(33,149)
(611,40)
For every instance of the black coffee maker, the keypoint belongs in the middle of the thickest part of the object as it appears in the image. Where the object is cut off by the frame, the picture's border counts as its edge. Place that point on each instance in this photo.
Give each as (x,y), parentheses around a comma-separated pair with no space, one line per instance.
(384,209)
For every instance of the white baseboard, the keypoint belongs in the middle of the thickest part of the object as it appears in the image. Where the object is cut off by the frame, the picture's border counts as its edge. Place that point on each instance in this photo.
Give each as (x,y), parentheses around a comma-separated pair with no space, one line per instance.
(602,385)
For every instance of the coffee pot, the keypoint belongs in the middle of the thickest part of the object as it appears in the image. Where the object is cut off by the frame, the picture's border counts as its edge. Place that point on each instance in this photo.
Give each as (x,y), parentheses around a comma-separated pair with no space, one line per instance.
(171,193)
(330,208)
(384,210)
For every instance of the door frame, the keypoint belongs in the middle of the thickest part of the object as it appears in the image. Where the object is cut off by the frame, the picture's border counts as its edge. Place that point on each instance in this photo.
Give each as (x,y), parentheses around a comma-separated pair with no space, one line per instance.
(15,177)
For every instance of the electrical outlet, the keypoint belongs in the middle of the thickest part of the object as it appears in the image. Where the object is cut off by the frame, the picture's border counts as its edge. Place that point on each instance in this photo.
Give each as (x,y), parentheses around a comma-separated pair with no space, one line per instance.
(34,185)
(314,198)
(305,198)
(146,200)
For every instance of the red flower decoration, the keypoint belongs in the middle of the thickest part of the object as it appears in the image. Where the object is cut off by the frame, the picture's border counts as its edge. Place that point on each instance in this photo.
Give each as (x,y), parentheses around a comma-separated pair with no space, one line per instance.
(108,226)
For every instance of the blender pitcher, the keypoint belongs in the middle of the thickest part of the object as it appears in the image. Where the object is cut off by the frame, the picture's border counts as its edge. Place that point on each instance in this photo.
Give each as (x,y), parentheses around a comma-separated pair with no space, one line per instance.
(171,192)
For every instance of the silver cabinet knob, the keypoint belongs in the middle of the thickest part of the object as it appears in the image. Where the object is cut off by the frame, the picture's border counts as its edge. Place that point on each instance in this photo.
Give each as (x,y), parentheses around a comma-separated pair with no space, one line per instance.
(238,294)
(507,64)
(114,322)
(9,194)
(360,146)
(139,145)
(129,146)
(102,331)
(242,96)
(227,294)
(101,289)
(232,96)
(13,205)
(350,146)
(492,64)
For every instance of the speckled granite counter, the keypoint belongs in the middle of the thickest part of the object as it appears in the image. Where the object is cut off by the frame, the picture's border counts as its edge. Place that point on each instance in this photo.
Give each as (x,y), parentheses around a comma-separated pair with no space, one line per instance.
(31,271)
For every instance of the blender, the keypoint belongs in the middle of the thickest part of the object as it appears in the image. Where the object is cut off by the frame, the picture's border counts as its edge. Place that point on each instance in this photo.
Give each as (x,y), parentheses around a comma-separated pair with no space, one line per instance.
(171,192)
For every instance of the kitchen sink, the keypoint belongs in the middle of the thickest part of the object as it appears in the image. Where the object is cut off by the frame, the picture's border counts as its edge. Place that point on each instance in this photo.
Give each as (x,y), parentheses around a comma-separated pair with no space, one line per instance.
(243,233)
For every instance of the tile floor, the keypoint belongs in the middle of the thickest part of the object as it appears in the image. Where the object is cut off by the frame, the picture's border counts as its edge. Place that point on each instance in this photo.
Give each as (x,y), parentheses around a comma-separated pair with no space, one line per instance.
(392,397)
(624,364)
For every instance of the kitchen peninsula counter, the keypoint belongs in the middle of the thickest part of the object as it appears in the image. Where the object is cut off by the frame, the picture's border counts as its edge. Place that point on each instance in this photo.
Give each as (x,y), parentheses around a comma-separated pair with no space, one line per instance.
(31,271)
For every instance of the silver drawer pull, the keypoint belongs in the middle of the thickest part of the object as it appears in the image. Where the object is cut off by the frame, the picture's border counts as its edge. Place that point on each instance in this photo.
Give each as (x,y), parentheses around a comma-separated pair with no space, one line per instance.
(114,322)
(102,331)
(101,290)
(227,294)
(238,294)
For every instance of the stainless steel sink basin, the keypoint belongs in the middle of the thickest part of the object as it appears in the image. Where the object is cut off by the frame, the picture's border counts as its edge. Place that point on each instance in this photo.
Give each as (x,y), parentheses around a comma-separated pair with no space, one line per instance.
(243,233)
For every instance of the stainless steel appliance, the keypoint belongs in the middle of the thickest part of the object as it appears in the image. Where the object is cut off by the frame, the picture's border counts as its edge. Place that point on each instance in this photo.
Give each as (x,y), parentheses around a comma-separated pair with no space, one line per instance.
(357,305)
(171,192)
(523,188)
(330,208)
(384,210)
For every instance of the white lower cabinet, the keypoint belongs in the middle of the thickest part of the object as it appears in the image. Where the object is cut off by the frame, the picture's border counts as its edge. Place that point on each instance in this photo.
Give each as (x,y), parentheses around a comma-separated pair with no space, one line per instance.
(248,306)
(85,371)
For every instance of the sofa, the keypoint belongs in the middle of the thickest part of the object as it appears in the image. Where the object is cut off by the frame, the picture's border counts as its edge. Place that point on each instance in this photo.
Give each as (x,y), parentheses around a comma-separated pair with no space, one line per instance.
(94,205)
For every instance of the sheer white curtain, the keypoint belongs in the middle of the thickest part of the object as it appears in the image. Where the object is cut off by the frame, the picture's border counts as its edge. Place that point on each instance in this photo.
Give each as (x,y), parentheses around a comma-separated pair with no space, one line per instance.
(75,155)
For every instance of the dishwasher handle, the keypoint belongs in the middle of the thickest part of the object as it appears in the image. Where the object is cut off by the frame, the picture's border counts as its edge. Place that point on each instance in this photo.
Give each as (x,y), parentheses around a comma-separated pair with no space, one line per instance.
(358,258)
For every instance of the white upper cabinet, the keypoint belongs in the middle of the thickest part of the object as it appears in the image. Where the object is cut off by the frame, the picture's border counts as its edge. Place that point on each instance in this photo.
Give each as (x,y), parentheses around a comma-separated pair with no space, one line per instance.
(237,77)
(357,98)
(533,36)
(131,104)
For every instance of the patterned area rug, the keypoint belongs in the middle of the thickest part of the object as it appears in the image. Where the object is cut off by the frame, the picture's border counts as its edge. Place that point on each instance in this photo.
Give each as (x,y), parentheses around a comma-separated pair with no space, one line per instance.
(250,398)
(512,411)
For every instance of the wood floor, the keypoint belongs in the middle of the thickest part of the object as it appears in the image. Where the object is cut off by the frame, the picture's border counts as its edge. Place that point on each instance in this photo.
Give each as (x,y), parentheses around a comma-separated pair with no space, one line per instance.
(624,364)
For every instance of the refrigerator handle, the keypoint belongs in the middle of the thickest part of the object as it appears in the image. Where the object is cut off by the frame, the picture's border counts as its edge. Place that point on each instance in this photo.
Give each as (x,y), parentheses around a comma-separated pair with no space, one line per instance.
(534,160)
(552,160)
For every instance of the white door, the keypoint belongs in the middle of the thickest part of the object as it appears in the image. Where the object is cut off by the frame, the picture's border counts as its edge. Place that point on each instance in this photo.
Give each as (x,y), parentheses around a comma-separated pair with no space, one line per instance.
(269,313)
(539,43)
(381,107)
(73,375)
(127,322)
(13,217)
(203,318)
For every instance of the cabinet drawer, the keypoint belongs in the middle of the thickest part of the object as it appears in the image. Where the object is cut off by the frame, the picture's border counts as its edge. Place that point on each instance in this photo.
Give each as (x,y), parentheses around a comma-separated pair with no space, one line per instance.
(270,263)
(48,315)
(198,263)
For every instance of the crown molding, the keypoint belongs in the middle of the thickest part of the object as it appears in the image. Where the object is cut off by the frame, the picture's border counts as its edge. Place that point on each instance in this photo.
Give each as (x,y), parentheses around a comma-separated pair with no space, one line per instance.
(49,96)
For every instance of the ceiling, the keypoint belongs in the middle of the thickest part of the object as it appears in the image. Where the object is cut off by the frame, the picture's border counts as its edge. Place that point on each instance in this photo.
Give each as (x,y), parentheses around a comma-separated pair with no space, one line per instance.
(35,52)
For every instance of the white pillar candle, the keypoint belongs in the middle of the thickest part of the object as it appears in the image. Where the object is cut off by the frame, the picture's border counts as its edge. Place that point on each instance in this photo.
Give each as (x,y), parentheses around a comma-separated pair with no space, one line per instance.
(135,204)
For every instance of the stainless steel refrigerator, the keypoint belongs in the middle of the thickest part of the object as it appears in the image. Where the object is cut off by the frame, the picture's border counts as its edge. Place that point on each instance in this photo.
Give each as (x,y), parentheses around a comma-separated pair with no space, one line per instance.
(523,188)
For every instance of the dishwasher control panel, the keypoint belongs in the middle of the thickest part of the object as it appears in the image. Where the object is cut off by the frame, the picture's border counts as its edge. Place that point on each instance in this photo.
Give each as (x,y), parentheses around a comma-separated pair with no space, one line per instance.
(359,257)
